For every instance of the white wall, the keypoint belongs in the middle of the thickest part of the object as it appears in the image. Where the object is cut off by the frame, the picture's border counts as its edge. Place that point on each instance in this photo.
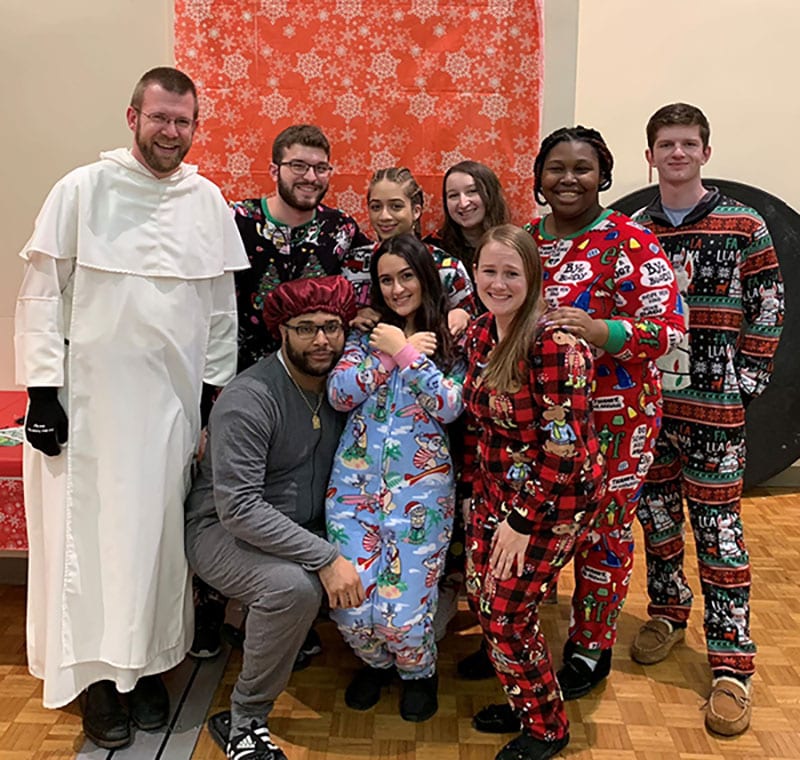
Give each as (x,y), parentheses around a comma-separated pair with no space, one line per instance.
(69,67)
(735,59)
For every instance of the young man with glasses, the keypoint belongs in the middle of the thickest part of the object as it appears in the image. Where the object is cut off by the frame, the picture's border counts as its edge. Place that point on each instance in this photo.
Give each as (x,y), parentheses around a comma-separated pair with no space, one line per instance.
(290,234)
(255,518)
(127,308)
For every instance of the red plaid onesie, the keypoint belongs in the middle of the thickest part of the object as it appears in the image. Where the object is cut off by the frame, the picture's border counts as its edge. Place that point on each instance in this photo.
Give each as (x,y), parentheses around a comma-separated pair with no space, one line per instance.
(538,465)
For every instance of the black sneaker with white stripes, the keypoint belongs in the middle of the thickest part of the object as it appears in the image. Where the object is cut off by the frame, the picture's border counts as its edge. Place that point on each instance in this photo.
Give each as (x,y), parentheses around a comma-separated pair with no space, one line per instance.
(251,742)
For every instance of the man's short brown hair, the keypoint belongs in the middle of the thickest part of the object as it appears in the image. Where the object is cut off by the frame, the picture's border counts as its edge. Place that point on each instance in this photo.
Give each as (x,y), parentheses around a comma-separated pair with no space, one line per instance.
(677,114)
(170,79)
(308,135)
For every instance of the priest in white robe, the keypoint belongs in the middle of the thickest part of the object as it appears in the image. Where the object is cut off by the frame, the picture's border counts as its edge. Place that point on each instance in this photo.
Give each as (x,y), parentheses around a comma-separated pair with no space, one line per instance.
(126,310)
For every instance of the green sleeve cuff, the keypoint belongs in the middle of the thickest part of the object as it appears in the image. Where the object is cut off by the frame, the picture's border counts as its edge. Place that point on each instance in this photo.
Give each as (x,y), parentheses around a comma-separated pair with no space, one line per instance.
(616,336)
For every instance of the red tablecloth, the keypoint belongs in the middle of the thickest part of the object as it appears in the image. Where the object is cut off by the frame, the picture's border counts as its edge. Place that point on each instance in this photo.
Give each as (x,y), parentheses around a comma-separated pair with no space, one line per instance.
(12,506)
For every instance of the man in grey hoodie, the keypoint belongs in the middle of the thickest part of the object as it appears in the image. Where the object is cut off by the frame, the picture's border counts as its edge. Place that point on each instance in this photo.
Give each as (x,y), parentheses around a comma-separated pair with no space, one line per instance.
(255,518)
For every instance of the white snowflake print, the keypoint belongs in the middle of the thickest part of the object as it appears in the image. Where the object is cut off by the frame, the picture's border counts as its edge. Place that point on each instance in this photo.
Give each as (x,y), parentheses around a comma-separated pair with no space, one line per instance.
(528,65)
(523,165)
(384,65)
(350,202)
(494,107)
(424,9)
(207,106)
(500,8)
(458,65)
(422,105)
(349,9)
(274,9)
(381,159)
(348,106)
(235,66)
(470,137)
(310,65)
(450,157)
(274,106)
(198,10)
(454,75)
(347,135)
(238,164)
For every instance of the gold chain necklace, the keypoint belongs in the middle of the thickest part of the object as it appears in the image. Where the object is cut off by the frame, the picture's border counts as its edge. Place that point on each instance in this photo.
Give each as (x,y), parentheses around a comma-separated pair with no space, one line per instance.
(315,420)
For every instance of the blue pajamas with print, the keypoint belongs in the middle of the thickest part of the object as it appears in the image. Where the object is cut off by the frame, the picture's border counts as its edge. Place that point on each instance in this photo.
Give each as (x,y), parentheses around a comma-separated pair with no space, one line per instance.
(400,560)
(391,498)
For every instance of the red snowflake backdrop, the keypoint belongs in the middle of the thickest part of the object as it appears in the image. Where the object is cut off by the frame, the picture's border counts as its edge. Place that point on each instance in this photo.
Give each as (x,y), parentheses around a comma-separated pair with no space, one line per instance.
(422,84)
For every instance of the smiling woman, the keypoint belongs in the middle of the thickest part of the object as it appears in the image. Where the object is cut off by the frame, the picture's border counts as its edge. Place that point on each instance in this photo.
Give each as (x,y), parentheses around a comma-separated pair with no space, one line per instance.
(536,479)
(391,497)
(395,199)
(473,202)
(602,275)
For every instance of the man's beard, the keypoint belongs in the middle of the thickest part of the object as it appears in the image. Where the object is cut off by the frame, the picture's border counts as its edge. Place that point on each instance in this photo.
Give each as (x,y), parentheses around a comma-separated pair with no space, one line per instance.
(303,363)
(157,163)
(286,193)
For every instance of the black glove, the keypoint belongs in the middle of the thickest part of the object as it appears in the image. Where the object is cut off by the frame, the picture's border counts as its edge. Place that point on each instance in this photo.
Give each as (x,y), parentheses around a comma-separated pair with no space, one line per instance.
(46,423)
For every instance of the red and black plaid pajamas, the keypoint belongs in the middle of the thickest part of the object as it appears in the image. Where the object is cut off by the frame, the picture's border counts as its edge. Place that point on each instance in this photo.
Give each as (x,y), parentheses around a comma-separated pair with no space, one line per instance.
(537,465)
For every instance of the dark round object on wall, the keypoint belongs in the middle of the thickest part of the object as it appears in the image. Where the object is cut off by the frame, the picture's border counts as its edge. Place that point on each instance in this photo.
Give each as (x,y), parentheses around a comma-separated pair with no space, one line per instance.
(773,419)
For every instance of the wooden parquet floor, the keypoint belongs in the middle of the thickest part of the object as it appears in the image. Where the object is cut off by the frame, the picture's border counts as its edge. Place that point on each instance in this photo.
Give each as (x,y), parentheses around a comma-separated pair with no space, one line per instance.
(651,713)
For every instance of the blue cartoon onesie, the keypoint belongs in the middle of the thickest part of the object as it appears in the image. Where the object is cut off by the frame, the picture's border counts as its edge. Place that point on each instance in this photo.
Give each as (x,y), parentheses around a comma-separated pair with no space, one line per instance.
(391,498)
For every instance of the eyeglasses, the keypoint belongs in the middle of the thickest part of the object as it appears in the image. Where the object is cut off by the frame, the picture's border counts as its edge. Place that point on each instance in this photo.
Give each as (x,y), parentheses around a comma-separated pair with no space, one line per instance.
(300,168)
(309,330)
(161,120)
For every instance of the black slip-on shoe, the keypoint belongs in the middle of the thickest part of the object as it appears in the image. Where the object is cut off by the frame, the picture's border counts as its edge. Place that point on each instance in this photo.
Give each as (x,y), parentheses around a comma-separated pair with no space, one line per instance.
(420,699)
(526,747)
(105,720)
(148,703)
(577,679)
(364,690)
(496,719)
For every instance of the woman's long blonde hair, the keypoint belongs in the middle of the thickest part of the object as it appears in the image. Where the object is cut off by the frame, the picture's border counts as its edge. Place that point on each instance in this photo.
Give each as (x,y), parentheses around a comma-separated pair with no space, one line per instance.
(508,363)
